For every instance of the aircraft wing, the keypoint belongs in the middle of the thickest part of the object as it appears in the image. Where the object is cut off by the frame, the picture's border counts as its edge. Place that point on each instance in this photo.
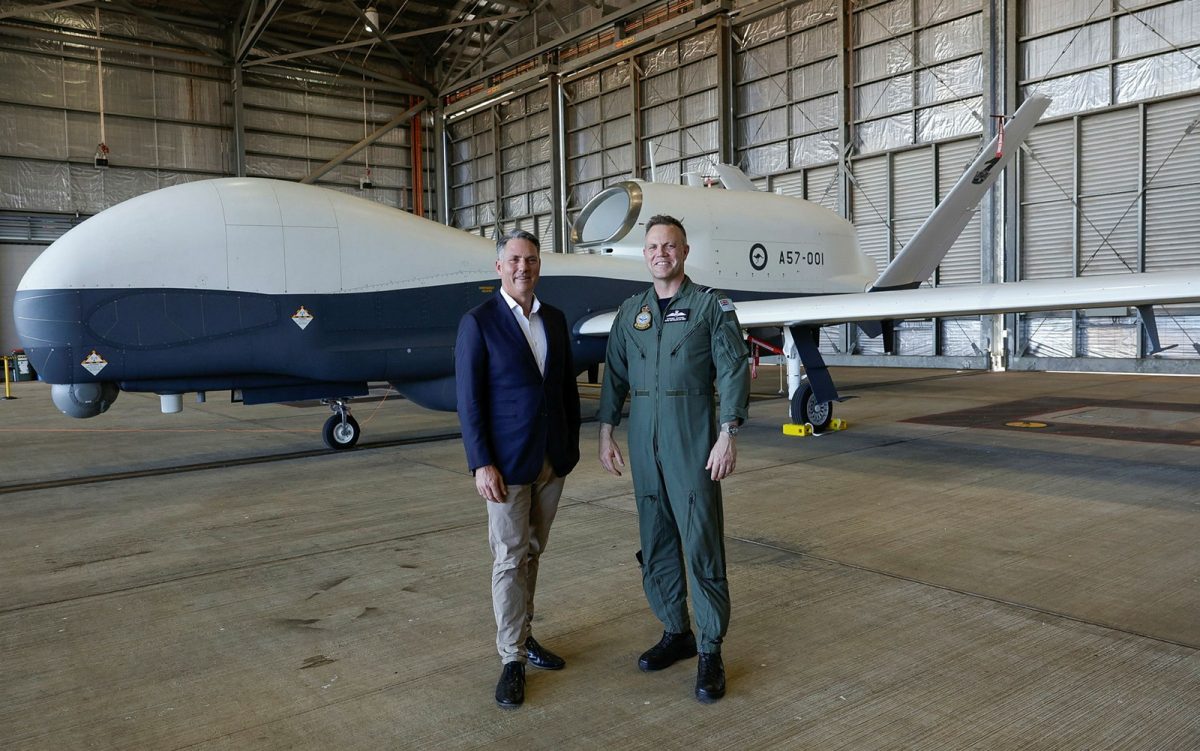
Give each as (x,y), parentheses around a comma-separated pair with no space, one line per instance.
(1157,288)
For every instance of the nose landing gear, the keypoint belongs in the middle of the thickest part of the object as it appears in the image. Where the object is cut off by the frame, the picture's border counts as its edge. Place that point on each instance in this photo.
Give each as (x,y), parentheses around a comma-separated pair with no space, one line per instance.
(341,429)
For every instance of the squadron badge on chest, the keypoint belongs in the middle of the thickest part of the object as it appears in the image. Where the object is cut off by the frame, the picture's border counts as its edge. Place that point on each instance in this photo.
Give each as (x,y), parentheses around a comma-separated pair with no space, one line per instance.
(641,321)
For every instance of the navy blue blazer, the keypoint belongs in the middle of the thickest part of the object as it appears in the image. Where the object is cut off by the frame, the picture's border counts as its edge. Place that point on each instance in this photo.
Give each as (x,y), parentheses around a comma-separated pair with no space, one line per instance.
(511,415)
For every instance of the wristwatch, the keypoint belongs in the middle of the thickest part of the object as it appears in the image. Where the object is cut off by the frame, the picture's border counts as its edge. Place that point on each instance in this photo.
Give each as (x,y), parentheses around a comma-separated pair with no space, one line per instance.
(731,429)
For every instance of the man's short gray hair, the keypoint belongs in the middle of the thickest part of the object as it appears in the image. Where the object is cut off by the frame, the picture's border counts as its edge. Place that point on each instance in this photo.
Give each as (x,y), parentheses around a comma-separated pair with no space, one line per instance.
(517,234)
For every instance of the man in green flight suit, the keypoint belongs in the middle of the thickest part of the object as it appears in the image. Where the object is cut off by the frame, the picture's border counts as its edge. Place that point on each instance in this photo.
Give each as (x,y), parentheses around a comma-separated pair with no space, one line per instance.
(668,345)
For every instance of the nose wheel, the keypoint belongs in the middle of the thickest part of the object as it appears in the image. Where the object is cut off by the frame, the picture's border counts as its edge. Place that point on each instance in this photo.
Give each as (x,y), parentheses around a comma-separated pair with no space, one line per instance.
(341,429)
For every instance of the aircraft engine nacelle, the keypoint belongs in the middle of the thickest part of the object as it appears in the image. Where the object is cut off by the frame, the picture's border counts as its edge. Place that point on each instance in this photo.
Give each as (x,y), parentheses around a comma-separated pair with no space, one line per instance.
(740,240)
(84,399)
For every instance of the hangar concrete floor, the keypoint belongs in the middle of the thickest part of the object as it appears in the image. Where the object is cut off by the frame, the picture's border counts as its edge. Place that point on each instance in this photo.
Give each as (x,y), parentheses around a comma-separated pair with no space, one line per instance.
(922,580)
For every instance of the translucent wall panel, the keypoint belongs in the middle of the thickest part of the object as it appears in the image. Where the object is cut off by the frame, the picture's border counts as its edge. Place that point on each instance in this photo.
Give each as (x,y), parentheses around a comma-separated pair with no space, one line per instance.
(291,132)
(599,114)
(473,170)
(918,72)
(1089,55)
(786,78)
(161,127)
(679,129)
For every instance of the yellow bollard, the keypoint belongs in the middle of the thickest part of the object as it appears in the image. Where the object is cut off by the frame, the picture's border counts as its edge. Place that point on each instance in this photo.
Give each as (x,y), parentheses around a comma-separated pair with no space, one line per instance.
(7,383)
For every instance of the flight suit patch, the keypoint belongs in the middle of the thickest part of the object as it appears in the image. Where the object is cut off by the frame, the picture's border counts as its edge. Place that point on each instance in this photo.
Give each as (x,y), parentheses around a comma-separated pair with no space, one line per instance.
(641,321)
(679,315)
(726,304)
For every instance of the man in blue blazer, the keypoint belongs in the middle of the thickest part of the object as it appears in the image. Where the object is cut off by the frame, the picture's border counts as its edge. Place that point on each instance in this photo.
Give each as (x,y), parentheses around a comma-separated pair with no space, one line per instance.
(519,409)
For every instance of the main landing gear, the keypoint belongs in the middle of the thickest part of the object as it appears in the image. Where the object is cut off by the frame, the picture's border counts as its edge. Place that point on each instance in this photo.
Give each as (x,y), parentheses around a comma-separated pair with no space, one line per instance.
(341,430)
(806,409)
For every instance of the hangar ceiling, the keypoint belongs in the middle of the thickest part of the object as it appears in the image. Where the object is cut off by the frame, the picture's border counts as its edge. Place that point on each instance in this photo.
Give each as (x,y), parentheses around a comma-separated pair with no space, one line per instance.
(406,46)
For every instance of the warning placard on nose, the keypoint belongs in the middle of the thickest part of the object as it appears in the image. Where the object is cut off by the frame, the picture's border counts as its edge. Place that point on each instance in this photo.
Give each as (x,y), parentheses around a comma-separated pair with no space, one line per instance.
(94,363)
(302,317)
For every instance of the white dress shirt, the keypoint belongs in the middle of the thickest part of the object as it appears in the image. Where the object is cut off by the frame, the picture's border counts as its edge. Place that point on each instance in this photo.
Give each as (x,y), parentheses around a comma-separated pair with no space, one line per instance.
(532,327)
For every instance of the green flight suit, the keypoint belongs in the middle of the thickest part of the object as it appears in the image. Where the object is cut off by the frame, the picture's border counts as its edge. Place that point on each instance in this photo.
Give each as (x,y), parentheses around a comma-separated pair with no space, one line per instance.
(669,364)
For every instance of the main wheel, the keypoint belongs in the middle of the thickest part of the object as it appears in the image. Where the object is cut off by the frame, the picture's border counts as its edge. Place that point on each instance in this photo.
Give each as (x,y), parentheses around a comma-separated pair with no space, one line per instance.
(341,435)
(806,409)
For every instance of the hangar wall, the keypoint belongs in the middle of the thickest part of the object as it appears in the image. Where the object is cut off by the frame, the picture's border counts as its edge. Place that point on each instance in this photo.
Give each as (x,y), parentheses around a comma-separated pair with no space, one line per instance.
(873,109)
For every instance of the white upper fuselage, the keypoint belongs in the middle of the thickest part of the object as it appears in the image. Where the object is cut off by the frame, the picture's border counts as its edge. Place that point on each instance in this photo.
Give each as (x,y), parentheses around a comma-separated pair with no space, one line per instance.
(277,237)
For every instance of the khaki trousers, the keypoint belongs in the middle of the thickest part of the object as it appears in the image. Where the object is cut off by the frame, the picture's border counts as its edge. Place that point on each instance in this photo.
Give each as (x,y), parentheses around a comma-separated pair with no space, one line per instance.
(517,533)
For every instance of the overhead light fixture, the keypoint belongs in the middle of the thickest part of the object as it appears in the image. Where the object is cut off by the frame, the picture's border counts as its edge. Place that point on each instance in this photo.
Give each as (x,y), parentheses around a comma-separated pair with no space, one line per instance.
(372,15)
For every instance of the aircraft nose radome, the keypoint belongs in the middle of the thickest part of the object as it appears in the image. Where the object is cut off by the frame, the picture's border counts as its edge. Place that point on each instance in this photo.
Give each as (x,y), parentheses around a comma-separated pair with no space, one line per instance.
(174,237)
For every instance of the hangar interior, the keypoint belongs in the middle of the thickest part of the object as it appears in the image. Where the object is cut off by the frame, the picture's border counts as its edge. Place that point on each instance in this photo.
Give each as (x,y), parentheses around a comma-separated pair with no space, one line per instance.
(983,560)
(493,115)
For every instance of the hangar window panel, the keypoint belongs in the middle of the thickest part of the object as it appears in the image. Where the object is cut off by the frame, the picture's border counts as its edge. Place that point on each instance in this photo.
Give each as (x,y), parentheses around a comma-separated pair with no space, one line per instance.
(950,40)
(1157,29)
(884,97)
(815,149)
(814,80)
(1081,91)
(932,11)
(1052,14)
(766,126)
(876,22)
(950,81)
(600,148)
(813,12)
(671,101)
(33,131)
(1158,76)
(948,120)
(1045,335)
(884,59)
(918,75)
(762,94)
(1066,50)
(787,109)
(1106,336)
(764,29)
(766,160)
(472,167)
(961,337)
(31,78)
(700,107)
(36,185)
(815,115)
(1093,55)
(192,147)
(888,133)
(812,44)
(915,338)
(523,126)
(1180,331)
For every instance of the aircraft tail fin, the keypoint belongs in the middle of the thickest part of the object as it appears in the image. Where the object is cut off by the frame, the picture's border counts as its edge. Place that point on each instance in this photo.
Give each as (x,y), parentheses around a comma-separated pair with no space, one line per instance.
(921,255)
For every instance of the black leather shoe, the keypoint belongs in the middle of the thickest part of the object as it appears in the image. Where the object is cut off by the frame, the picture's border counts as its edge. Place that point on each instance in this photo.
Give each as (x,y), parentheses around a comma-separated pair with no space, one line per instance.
(670,649)
(540,657)
(510,691)
(710,678)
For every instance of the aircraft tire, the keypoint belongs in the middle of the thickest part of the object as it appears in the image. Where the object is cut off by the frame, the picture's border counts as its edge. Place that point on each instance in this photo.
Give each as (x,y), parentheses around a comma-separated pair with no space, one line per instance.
(341,437)
(806,409)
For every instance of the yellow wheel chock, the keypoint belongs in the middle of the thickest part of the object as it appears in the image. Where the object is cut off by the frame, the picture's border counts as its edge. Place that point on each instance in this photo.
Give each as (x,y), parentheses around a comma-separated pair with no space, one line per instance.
(807,429)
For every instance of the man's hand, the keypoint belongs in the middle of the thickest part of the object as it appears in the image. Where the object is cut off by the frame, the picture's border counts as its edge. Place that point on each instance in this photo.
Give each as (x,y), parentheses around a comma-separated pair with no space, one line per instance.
(723,457)
(610,454)
(490,484)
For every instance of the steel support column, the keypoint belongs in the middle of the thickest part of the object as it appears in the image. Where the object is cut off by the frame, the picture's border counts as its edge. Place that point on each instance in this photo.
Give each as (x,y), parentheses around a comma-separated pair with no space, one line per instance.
(558,173)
